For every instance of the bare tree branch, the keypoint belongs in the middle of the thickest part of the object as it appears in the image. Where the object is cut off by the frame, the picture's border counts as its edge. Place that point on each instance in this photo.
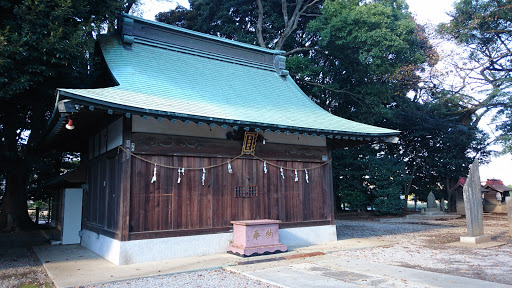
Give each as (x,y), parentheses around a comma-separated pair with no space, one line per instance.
(284,9)
(290,24)
(354,96)
(308,5)
(301,49)
(311,15)
(499,31)
(503,43)
(128,6)
(259,25)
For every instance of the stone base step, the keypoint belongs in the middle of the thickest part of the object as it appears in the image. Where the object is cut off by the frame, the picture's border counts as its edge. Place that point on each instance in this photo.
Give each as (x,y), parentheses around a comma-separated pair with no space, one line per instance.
(434,213)
(432,217)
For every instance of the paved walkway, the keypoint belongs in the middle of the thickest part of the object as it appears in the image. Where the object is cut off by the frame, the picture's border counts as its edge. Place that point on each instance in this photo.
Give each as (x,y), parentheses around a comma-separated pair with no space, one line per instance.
(329,271)
(74,265)
(312,266)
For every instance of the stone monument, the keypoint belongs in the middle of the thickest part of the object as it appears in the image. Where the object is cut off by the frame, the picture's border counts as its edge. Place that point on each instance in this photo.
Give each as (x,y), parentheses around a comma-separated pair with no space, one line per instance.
(432,212)
(431,201)
(473,206)
(508,201)
(432,209)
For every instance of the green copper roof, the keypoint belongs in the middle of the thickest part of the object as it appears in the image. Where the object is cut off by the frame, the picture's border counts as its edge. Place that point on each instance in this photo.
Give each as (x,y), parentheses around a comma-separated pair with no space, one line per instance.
(157,78)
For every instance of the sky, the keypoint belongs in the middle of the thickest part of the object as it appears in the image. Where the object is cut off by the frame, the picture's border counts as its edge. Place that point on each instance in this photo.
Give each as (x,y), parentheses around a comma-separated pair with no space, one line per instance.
(432,11)
(151,7)
(425,11)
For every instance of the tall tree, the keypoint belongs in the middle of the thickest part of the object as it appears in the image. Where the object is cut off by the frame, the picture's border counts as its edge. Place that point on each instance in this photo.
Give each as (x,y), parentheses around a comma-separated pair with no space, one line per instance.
(44,44)
(361,49)
(484,29)
(369,177)
(373,56)
(435,146)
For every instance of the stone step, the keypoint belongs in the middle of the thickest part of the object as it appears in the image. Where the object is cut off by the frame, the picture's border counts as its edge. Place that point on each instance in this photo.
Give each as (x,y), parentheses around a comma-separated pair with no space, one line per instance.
(432,217)
(432,213)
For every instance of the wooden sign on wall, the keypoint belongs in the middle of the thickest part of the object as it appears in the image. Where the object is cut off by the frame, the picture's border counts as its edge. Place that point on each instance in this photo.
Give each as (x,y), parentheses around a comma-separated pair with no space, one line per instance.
(249,143)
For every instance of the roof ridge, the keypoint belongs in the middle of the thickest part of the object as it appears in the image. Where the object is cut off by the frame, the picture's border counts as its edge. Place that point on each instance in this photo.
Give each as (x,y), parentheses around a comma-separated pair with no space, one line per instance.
(204,35)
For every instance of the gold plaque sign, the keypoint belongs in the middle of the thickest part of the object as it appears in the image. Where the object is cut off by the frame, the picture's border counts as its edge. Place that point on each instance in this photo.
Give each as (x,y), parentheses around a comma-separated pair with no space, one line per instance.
(249,143)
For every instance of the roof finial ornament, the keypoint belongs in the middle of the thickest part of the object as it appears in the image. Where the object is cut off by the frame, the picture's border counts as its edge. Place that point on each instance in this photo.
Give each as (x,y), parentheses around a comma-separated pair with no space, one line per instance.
(127,30)
(280,65)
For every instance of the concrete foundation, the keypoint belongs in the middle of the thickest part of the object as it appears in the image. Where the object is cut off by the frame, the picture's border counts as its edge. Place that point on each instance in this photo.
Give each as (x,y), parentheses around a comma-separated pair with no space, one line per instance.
(475,239)
(150,250)
(305,236)
(106,247)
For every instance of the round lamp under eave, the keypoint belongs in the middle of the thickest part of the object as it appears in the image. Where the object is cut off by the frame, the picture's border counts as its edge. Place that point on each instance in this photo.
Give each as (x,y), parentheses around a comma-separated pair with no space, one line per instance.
(70,125)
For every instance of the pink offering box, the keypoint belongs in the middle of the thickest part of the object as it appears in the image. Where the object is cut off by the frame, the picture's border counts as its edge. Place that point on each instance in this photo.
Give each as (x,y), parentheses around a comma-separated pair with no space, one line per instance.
(256,237)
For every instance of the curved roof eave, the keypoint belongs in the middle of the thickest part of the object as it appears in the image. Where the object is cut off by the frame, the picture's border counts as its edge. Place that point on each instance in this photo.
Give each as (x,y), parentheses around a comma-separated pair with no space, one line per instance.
(218,121)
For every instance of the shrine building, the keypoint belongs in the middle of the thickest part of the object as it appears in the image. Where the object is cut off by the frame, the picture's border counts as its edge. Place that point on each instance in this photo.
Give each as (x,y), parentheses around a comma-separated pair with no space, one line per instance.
(187,132)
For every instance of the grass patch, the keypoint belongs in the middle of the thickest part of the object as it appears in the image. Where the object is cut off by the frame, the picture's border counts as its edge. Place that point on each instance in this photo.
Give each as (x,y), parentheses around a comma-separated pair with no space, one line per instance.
(32,285)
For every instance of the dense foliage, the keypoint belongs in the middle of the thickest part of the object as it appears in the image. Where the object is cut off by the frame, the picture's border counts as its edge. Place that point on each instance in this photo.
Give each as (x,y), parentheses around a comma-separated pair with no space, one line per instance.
(362,49)
(369,180)
(44,44)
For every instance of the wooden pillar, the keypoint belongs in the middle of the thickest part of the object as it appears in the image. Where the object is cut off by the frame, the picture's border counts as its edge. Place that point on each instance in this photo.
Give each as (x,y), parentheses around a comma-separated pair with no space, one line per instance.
(125,164)
(330,188)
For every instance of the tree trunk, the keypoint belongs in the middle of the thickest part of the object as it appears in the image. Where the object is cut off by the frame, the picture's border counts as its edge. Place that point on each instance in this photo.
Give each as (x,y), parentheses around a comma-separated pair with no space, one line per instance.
(259,24)
(407,187)
(14,211)
(337,202)
(452,201)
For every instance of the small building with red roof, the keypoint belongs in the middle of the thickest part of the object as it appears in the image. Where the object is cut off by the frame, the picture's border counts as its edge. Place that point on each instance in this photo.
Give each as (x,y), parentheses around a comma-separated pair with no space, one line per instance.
(494,196)
(458,197)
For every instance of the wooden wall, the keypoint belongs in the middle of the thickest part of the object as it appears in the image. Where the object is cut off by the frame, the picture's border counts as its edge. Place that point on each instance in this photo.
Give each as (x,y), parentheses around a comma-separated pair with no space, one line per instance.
(167,205)
(167,208)
(101,197)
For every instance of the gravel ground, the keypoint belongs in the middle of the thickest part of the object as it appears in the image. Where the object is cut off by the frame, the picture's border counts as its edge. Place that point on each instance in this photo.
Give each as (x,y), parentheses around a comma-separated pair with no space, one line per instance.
(205,278)
(422,245)
(19,266)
